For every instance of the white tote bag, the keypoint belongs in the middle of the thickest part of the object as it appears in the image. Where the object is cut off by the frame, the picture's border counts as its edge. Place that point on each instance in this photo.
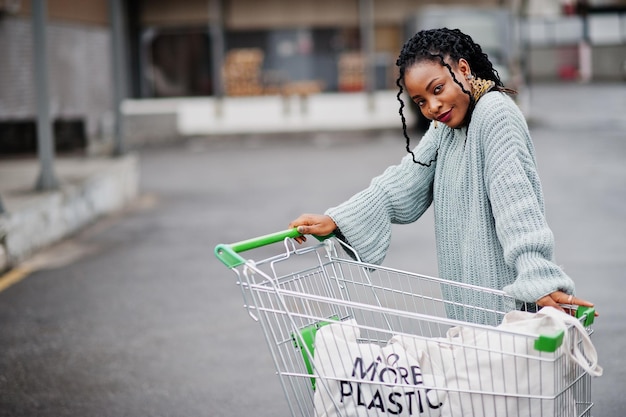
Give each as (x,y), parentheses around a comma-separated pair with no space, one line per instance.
(367,379)
(504,363)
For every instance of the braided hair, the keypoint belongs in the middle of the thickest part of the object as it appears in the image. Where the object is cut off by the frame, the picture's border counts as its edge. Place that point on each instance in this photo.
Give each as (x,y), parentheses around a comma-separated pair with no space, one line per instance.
(437,45)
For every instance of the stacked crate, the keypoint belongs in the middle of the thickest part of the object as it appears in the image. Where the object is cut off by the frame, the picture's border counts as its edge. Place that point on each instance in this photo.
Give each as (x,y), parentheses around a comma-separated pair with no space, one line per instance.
(242,72)
(351,69)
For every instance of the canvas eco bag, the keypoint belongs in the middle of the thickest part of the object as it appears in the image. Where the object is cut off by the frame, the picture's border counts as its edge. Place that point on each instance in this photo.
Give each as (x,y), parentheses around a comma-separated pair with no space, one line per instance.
(505,363)
(366,379)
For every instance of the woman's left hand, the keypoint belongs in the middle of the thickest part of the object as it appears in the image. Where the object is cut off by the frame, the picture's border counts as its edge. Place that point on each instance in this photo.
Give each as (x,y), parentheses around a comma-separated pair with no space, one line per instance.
(557,298)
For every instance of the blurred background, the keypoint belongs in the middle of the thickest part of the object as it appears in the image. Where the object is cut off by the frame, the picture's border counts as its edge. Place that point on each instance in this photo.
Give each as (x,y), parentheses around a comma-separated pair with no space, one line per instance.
(249,48)
(135,135)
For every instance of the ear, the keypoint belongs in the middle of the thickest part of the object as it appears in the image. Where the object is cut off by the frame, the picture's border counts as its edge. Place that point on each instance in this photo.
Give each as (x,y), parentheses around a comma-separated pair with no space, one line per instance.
(464,67)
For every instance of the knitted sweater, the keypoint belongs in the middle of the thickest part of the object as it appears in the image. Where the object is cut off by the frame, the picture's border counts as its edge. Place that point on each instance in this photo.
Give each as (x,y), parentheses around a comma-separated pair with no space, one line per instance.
(488,205)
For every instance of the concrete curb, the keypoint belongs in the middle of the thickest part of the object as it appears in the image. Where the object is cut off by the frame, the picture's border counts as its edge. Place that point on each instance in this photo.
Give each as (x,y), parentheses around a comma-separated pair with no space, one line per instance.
(55,215)
(153,121)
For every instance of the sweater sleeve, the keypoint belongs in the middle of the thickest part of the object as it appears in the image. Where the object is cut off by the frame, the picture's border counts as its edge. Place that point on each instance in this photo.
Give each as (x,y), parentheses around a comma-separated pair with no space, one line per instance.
(400,195)
(516,199)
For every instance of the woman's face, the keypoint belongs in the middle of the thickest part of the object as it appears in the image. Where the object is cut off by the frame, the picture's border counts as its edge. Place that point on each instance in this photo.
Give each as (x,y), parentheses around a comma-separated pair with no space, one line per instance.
(432,88)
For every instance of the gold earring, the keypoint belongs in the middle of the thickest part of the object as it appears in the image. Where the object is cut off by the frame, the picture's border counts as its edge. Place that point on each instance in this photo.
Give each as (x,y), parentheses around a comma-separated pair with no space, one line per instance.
(478,87)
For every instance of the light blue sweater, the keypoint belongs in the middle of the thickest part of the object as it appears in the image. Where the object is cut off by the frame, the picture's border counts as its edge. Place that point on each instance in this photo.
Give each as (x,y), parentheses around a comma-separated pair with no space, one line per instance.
(490,225)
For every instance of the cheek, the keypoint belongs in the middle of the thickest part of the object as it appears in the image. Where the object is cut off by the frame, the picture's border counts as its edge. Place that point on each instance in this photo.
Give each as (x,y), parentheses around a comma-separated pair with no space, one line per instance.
(463,101)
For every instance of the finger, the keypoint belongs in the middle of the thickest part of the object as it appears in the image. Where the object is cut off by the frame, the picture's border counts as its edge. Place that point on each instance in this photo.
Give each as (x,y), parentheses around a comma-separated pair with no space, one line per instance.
(570,299)
(312,224)
(297,224)
(303,220)
(580,302)
(558,299)
(561,297)
(549,301)
(563,300)
(583,303)
(310,229)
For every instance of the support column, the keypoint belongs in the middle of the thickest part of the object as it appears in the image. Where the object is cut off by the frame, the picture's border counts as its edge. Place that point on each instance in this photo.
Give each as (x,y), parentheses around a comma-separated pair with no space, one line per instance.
(584,46)
(146,66)
(366,27)
(216,32)
(45,142)
(116,18)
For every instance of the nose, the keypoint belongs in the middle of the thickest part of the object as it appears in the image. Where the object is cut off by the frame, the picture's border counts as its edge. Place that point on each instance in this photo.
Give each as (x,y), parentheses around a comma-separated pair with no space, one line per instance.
(433,106)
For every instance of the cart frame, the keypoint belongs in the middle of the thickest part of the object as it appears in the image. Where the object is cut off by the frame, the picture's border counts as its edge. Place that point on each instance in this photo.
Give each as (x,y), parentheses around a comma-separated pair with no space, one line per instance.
(380,303)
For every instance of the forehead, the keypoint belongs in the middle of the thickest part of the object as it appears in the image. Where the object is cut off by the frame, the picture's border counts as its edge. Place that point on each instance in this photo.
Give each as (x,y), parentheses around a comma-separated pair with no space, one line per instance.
(424,74)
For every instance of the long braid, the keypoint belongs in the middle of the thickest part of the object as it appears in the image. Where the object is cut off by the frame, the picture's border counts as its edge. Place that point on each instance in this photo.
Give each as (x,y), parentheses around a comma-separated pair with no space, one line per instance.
(439,45)
(404,128)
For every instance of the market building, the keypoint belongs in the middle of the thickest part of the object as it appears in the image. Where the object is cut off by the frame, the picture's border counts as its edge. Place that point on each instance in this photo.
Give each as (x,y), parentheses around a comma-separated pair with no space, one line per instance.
(227,48)
(84,82)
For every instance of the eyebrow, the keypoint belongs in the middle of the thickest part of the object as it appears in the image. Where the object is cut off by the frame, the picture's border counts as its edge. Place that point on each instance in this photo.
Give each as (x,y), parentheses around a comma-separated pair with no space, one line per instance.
(427,88)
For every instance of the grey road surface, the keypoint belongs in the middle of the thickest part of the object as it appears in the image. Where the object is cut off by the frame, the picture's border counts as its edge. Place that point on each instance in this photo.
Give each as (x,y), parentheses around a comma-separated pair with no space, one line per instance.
(135,317)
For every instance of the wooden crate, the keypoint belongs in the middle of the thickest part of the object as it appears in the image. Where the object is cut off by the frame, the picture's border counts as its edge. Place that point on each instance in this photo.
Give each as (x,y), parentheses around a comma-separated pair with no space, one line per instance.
(242,72)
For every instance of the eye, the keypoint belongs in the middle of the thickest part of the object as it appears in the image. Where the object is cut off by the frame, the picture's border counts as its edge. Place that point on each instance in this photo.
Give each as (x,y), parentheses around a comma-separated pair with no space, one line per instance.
(438,88)
(420,103)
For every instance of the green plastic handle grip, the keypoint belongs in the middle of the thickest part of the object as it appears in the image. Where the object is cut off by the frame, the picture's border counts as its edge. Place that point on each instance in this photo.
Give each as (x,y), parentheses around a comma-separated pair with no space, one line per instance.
(545,343)
(229,253)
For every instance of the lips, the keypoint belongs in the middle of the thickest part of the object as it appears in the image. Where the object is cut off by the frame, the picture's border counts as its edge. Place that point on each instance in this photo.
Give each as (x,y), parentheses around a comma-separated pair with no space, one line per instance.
(445,117)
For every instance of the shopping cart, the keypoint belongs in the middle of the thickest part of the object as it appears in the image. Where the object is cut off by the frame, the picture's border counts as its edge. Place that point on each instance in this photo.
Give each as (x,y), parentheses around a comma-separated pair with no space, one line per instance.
(350,338)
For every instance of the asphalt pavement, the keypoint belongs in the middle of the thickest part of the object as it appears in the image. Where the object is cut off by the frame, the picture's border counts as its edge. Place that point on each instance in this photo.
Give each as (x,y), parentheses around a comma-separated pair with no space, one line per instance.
(133,316)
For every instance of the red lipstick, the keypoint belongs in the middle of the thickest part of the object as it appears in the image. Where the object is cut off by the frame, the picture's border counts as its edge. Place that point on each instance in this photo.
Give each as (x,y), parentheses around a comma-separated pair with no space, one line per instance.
(445,117)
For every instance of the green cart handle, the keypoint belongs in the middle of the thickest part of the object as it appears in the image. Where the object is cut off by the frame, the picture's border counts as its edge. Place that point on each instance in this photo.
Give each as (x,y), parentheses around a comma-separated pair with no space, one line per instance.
(229,253)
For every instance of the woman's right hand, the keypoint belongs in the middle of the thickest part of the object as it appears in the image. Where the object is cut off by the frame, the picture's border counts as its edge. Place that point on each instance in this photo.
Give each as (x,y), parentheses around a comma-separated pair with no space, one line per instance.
(313,224)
